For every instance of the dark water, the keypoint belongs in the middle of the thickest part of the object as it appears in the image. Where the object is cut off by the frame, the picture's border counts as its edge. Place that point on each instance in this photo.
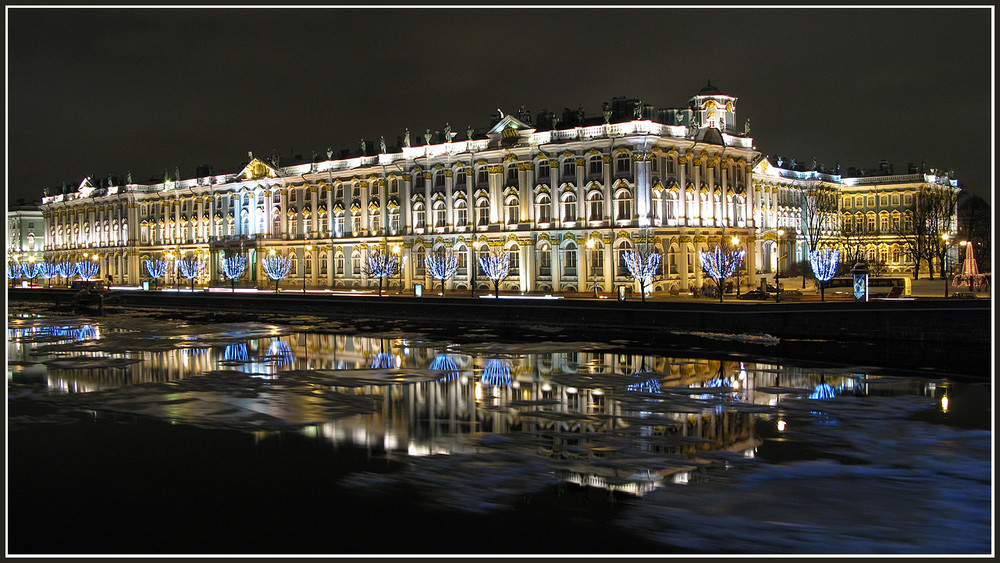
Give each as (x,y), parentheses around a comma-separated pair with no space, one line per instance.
(154,434)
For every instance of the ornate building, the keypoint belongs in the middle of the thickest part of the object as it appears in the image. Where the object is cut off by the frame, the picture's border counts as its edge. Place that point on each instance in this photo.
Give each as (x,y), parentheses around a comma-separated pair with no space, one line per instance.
(564,197)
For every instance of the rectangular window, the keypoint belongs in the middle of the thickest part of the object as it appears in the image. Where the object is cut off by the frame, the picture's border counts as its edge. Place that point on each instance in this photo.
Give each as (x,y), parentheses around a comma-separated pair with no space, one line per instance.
(883,200)
(569,169)
(847,203)
(483,175)
(543,170)
(460,178)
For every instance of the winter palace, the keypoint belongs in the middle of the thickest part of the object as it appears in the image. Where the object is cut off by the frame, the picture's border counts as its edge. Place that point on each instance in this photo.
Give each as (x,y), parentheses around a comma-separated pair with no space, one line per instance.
(565,196)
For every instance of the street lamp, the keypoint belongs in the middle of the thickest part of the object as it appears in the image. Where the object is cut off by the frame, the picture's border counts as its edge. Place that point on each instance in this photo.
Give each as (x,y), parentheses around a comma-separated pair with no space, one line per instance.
(736,243)
(308,249)
(590,247)
(777,269)
(944,262)
(965,244)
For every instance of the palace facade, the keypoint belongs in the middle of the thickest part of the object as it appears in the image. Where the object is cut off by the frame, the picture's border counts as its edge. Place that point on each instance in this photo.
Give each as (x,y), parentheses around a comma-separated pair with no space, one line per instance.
(564,197)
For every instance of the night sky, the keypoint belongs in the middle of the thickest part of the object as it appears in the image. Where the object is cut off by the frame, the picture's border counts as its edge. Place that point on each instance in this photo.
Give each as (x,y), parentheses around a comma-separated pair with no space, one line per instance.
(98,92)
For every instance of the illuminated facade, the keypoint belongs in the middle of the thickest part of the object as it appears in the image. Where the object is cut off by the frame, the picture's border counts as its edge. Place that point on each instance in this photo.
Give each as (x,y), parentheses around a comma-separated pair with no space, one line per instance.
(565,198)
(25,233)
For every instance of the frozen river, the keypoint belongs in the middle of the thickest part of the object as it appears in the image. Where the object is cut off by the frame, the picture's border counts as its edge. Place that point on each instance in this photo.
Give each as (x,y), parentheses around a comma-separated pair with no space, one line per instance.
(158,433)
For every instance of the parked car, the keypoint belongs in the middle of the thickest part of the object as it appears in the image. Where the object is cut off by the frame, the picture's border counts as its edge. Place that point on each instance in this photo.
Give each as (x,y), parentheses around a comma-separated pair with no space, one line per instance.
(963,295)
(754,294)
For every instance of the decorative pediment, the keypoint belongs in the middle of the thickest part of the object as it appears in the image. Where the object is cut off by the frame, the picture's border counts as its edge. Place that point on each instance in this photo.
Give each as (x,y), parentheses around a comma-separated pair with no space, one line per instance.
(510,122)
(256,170)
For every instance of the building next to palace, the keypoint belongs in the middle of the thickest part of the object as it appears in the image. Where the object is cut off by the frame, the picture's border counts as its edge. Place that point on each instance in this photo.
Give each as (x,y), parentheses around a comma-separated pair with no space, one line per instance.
(564,196)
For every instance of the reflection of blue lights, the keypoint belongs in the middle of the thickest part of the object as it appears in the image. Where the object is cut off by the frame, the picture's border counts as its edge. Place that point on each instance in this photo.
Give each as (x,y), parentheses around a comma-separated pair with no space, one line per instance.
(237,352)
(384,360)
(60,333)
(443,362)
(823,391)
(717,382)
(648,386)
(497,373)
(279,352)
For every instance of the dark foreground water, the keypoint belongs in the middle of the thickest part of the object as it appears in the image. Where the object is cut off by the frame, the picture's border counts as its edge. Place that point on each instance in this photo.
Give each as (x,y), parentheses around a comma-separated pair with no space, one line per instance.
(161,434)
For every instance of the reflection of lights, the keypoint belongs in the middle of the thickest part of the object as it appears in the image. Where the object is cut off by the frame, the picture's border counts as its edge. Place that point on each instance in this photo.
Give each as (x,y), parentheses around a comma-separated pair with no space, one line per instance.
(236,352)
(496,372)
(479,392)
(781,425)
(823,391)
(444,362)
(546,387)
(571,390)
(597,392)
(944,403)
(279,352)
(384,360)
(648,386)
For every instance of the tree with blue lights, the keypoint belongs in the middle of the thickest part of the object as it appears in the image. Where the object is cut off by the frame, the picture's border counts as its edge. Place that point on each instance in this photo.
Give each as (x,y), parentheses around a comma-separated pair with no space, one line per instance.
(276,267)
(380,264)
(30,270)
(824,267)
(14,271)
(156,269)
(496,267)
(87,269)
(191,268)
(643,265)
(47,271)
(66,270)
(721,264)
(233,268)
(441,265)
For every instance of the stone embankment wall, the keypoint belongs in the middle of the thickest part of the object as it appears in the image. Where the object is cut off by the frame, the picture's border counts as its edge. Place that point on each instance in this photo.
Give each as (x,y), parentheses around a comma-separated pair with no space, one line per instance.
(920,321)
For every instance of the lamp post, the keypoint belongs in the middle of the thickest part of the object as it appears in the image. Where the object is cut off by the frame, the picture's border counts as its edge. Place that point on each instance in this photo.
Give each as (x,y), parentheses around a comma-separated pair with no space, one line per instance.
(308,249)
(736,243)
(777,268)
(965,244)
(944,262)
(590,247)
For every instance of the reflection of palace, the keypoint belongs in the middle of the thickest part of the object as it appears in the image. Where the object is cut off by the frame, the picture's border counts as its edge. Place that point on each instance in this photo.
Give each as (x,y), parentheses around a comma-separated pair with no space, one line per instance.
(565,198)
(558,399)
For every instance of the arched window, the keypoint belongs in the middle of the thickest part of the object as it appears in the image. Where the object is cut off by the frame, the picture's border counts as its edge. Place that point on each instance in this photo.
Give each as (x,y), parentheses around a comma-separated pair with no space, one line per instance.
(544,208)
(515,259)
(440,211)
(596,258)
(461,214)
(871,222)
(545,260)
(569,261)
(355,222)
(848,222)
(623,205)
(883,222)
(482,212)
(595,204)
(512,210)
(355,263)
(338,261)
(569,207)
(419,253)
(338,223)
(623,247)
(419,219)
(393,220)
